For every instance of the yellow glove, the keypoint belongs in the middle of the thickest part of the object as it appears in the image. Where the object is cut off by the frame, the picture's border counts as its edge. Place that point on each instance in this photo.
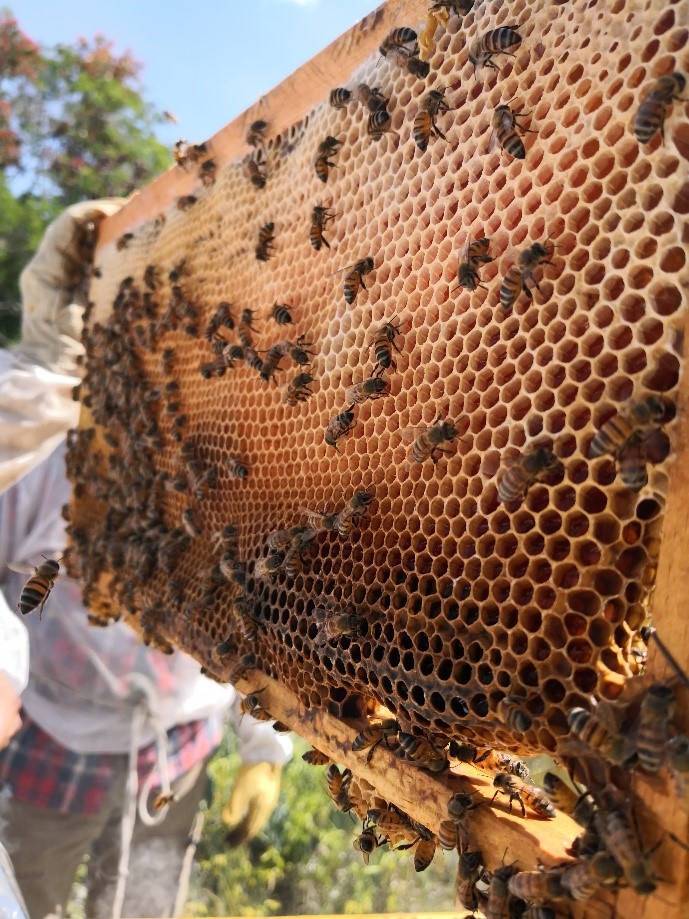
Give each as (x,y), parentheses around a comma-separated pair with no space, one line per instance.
(254,795)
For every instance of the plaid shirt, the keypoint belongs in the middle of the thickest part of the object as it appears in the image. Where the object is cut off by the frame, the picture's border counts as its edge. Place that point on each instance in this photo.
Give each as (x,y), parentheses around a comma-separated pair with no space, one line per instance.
(45,774)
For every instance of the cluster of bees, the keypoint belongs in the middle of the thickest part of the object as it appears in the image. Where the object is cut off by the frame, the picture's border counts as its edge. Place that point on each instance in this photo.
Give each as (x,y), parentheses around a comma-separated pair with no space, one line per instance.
(142,413)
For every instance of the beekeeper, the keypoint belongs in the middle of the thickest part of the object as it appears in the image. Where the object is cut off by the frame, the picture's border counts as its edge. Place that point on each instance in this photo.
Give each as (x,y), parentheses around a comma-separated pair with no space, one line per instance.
(107,722)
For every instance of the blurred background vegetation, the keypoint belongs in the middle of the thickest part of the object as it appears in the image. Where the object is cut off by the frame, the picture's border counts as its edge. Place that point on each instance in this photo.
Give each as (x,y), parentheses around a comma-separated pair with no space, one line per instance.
(304,861)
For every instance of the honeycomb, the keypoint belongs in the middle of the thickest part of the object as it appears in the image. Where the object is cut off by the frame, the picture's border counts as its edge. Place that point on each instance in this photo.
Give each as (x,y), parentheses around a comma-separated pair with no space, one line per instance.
(461,599)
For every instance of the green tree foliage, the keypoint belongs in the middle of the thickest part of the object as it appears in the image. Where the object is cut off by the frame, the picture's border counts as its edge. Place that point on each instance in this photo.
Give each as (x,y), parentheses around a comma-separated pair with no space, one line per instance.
(73,126)
(304,861)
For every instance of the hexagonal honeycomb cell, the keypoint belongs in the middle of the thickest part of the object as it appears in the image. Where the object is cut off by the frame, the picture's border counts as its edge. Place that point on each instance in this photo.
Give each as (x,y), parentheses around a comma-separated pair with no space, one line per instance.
(452,599)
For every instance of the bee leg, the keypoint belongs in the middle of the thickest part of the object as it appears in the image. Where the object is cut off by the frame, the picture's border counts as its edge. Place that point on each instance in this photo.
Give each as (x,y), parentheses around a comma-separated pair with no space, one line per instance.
(521,802)
(438,132)
(495,796)
(370,752)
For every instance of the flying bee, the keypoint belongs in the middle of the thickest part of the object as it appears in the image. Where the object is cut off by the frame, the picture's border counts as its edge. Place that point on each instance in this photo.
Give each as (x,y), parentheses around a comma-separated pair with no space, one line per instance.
(265,244)
(320,216)
(327,148)
(339,426)
(298,389)
(538,885)
(653,731)
(190,522)
(468,871)
(373,388)
(164,799)
(383,343)
(256,135)
(37,589)
(574,803)
(338,787)
(581,880)
(409,63)
(354,279)
(620,839)
(371,97)
(208,173)
(429,440)
(511,712)
(505,131)
(432,105)
(517,477)
(236,468)
(424,852)
(334,623)
(281,313)
(495,41)
(339,97)
(650,116)
(255,171)
(397,40)
(185,202)
(353,511)
(637,417)
(123,241)
(379,123)
(422,752)
(367,841)
(374,735)
(507,784)
(315,758)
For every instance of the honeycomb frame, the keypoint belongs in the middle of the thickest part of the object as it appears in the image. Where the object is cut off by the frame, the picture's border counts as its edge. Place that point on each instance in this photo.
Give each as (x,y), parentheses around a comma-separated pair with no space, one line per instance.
(608,328)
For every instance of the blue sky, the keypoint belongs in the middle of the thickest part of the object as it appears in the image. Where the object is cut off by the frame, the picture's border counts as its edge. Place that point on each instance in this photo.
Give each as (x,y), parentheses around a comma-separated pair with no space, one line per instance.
(205,61)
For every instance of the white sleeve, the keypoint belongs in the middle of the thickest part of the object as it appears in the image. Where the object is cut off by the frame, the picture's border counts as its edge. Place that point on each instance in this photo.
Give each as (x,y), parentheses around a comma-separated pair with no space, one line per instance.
(14,647)
(258,742)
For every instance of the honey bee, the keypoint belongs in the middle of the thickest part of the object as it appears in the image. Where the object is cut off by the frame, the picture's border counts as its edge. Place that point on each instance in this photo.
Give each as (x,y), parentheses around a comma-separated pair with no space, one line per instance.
(367,842)
(650,117)
(374,735)
(294,557)
(338,787)
(265,244)
(164,799)
(653,731)
(98,622)
(298,389)
(333,623)
(251,705)
(123,241)
(167,361)
(507,784)
(574,803)
(255,171)
(489,759)
(383,343)
(422,752)
(637,417)
(339,97)
(514,282)
(451,835)
(320,216)
(424,852)
(267,567)
(631,462)
(37,589)
(210,369)
(468,871)
(602,740)
(397,40)
(429,441)
(354,279)
(184,154)
(190,522)
(256,135)
(185,202)
(315,758)
(352,513)
(505,131)
(151,277)
(208,173)
(232,569)
(371,97)
(221,318)
(432,105)
(677,750)
(239,670)
(517,477)
(372,388)
(379,123)
(619,838)
(236,468)
(495,41)
(299,352)
(458,7)
(392,821)
(411,64)
(497,904)
(320,520)
(327,148)
(281,313)
(581,880)
(538,885)
(339,426)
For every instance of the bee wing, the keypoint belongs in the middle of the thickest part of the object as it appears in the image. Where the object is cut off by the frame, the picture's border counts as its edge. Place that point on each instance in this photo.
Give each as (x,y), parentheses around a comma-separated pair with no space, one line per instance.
(409,434)
(340,270)
(492,143)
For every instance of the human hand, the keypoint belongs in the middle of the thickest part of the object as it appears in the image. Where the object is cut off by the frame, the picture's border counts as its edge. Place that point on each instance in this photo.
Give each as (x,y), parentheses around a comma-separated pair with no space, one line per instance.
(253,798)
(10,703)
